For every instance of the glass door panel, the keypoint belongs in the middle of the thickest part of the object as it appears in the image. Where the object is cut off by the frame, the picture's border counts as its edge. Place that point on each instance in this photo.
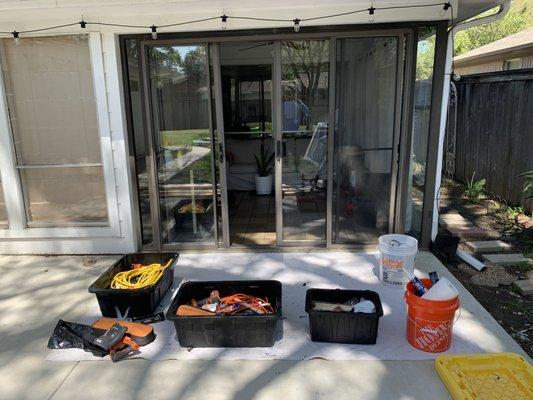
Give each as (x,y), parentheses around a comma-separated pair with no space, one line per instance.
(246,100)
(365,109)
(179,94)
(304,134)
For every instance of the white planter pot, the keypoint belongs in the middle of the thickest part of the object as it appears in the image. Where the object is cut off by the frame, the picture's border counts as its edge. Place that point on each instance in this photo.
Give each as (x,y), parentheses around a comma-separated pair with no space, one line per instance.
(263,184)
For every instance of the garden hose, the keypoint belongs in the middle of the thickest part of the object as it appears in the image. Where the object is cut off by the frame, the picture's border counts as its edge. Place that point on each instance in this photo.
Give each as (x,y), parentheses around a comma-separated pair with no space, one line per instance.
(139,277)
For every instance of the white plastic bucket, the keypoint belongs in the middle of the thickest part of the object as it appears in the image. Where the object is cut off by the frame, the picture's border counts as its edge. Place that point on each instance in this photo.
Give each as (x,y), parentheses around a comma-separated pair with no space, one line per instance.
(396,253)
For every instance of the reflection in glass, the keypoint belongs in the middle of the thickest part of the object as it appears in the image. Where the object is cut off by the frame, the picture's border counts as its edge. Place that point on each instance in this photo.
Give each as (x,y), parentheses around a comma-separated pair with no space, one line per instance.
(365,108)
(304,114)
(180,101)
(422,106)
(139,138)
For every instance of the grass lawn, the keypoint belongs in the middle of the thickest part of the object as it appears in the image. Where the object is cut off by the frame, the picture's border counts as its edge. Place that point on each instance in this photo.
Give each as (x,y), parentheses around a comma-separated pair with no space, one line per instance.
(201,170)
(184,137)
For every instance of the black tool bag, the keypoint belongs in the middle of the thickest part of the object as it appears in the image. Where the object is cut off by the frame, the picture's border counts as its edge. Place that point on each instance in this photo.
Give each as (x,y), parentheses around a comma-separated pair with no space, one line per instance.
(69,335)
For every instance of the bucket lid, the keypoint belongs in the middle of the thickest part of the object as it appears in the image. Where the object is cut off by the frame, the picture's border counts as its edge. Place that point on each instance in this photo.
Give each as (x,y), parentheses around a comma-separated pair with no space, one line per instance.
(398,244)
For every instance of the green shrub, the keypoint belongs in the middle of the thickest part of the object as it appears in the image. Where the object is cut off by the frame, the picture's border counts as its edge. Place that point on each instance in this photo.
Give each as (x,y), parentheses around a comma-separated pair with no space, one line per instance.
(474,189)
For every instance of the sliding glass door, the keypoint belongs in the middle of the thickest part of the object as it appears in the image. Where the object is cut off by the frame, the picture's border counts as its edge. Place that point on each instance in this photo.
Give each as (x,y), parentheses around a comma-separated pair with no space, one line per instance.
(365,145)
(179,101)
(304,108)
(317,119)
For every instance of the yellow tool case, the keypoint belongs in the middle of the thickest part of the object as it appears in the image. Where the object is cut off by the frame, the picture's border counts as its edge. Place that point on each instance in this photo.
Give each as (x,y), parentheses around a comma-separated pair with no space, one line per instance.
(486,376)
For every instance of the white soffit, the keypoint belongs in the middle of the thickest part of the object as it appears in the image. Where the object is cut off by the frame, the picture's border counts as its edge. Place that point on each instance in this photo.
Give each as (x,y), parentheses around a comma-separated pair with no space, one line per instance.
(23,15)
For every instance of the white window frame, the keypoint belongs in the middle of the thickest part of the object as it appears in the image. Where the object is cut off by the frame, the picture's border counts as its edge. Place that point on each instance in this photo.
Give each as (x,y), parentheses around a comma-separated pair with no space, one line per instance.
(14,199)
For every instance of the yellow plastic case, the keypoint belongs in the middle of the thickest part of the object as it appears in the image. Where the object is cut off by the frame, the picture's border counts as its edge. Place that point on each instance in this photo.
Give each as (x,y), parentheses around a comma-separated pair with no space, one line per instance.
(486,376)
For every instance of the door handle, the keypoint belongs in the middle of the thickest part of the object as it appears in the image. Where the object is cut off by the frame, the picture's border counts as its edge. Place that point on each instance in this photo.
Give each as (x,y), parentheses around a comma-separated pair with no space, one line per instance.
(281,148)
(221,153)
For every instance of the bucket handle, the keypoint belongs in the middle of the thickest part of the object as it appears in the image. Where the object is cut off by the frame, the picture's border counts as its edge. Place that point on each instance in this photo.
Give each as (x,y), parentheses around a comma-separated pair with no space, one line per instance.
(432,331)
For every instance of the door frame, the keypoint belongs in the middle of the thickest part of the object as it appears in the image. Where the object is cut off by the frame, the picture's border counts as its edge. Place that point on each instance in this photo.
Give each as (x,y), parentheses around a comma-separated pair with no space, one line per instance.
(406,54)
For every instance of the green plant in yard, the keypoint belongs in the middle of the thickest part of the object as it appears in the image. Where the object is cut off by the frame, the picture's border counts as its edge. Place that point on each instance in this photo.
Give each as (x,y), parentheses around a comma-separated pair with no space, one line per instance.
(528,184)
(524,266)
(475,189)
(513,212)
(265,161)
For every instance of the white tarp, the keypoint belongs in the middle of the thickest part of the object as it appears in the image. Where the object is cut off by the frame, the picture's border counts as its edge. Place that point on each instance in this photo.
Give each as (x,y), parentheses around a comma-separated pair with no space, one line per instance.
(474,331)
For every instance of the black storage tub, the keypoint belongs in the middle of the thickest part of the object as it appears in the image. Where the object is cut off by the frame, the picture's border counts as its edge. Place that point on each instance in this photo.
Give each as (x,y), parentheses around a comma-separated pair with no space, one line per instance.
(343,327)
(136,302)
(226,330)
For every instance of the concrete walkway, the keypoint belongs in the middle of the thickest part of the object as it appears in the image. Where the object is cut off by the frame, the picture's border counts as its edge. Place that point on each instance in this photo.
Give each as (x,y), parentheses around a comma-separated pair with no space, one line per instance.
(36,291)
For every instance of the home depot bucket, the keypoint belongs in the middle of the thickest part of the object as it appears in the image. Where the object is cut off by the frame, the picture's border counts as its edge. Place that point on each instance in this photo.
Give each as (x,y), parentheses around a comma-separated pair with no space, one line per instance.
(396,253)
(429,322)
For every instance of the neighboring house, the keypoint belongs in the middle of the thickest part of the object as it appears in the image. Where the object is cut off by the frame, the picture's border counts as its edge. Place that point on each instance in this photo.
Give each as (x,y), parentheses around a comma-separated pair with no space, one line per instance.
(511,52)
(138,130)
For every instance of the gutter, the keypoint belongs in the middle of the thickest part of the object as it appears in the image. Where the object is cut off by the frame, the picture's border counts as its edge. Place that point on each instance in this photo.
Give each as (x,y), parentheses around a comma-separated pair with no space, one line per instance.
(502,12)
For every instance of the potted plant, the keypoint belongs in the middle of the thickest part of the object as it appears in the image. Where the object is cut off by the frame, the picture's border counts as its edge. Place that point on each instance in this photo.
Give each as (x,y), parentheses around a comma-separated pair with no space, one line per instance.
(264,165)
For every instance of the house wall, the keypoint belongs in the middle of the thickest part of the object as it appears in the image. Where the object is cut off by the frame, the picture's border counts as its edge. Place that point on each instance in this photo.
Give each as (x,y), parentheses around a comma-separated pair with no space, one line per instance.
(480,68)
(494,66)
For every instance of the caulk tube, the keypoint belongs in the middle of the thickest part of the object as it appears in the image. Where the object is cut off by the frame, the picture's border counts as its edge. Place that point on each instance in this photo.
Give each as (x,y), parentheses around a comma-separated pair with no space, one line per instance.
(420,289)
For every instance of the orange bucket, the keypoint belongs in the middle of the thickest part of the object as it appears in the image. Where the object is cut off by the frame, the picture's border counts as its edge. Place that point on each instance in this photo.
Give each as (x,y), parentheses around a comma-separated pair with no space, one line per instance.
(429,322)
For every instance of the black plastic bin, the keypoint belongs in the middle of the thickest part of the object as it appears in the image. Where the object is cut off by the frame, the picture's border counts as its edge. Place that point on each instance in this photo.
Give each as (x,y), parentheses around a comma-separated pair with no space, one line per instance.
(343,327)
(226,330)
(135,302)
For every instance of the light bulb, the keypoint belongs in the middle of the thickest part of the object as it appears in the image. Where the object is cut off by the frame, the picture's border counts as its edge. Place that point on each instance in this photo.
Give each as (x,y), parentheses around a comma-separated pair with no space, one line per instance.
(154,32)
(224,19)
(296,24)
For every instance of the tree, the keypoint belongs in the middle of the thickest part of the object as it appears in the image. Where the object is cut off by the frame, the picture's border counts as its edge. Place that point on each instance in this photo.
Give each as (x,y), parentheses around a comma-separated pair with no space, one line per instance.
(305,62)
(425,57)
(194,64)
(166,58)
(519,18)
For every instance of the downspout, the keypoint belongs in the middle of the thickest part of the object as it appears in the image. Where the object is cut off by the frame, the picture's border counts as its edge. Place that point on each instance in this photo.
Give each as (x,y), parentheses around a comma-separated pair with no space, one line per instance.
(502,12)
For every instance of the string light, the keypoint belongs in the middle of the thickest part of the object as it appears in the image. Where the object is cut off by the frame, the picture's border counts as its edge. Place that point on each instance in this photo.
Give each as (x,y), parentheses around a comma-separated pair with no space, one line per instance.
(16,37)
(371,17)
(296,24)
(296,21)
(224,18)
(444,9)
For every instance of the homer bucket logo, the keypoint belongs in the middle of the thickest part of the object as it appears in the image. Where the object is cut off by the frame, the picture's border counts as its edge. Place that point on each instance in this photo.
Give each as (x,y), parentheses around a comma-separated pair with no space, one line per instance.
(391,263)
(433,336)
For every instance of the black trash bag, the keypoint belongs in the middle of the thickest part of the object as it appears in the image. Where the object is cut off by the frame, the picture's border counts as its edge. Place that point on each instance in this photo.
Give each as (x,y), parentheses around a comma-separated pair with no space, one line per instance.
(68,335)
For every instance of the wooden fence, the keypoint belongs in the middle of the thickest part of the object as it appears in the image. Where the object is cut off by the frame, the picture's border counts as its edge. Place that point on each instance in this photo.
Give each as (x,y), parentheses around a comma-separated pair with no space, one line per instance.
(494,132)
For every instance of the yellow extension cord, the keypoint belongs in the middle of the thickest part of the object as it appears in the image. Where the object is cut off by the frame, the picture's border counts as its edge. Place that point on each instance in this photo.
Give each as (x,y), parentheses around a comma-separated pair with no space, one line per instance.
(139,278)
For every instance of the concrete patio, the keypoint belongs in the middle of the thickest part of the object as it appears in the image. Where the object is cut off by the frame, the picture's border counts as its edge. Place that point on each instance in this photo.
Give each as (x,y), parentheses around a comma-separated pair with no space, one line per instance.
(36,291)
